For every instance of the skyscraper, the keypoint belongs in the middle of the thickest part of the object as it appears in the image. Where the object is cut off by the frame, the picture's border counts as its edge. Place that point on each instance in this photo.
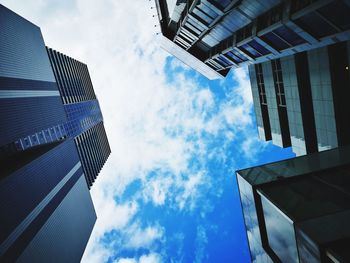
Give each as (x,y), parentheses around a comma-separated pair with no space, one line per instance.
(298,210)
(300,100)
(52,146)
(85,121)
(226,34)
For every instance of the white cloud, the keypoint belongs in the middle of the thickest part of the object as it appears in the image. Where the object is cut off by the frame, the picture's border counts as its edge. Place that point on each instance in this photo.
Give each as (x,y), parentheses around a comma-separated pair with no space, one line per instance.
(151,258)
(147,258)
(201,242)
(126,260)
(138,237)
(190,189)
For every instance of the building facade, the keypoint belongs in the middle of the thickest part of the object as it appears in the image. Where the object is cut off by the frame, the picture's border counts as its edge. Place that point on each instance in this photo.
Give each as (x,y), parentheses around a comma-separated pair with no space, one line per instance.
(297,210)
(232,33)
(52,146)
(299,100)
(84,117)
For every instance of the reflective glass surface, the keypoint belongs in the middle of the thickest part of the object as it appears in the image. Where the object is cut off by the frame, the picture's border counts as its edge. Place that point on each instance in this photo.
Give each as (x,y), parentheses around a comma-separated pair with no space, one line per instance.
(82,116)
(310,196)
(289,35)
(275,41)
(280,233)
(257,252)
(338,13)
(189,59)
(315,25)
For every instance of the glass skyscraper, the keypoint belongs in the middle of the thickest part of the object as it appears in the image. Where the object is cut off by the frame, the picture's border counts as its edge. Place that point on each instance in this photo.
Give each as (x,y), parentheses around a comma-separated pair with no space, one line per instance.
(52,146)
(298,210)
(225,34)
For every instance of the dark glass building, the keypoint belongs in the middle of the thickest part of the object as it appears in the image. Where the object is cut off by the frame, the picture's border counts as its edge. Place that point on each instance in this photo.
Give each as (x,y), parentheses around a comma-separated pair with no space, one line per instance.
(52,146)
(298,210)
(224,34)
(84,117)
(300,100)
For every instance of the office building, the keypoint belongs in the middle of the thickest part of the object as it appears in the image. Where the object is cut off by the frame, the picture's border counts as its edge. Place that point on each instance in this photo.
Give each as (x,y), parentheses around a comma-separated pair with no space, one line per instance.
(300,100)
(213,36)
(298,210)
(296,52)
(52,145)
(85,121)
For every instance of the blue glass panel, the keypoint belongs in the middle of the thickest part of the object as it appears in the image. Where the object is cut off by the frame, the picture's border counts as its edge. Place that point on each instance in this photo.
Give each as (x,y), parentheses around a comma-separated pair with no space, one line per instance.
(290,36)
(251,51)
(239,55)
(274,41)
(82,116)
(207,10)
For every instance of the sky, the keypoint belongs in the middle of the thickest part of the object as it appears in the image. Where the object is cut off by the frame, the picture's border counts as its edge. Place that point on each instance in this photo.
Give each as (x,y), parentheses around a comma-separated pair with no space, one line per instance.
(168,191)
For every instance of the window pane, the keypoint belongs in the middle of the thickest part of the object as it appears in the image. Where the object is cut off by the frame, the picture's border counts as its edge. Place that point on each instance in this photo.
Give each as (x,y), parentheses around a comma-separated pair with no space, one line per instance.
(315,25)
(290,36)
(280,233)
(262,50)
(250,51)
(274,41)
(338,13)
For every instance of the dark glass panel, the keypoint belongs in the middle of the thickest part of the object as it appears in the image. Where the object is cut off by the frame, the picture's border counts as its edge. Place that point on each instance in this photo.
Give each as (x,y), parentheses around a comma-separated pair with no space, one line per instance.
(222,58)
(289,35)
(206,9)
(203,16)
(239,55)
(338,13)
(221,62)
(315,25)
(223,3)
(276,42)
(250,51)
(233,57)
(261,49)
(280,233)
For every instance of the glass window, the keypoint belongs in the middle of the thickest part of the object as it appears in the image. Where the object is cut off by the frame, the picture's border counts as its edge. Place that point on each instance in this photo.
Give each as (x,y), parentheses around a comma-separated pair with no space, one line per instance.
(18,145)
(275,41)
(261,85)
(262,50)
(194,29)
(279,87)
(202,16)
(239,55)
(223,3)
(338,13)
(233,57)
(289,35)
(280,232)
(315,25)
(250,51)
(222,58)
(221,62)
(206,9)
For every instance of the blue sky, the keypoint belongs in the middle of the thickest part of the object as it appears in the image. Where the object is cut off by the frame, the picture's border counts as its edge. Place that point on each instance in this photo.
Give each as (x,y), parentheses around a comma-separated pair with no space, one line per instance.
(168,191)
